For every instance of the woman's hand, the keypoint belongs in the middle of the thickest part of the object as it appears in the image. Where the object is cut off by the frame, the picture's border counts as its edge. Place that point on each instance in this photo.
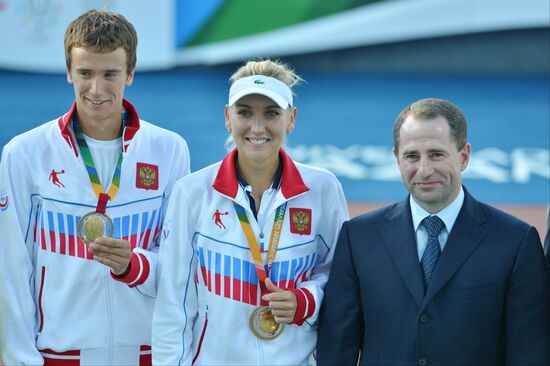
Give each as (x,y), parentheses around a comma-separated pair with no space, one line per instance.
(282,303)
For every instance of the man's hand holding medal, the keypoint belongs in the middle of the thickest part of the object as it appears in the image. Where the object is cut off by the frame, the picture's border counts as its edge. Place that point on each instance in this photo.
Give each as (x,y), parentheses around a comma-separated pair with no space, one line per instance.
(115,253)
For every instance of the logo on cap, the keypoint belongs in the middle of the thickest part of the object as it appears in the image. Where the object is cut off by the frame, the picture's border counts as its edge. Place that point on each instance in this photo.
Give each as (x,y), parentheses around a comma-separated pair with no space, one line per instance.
(257,81)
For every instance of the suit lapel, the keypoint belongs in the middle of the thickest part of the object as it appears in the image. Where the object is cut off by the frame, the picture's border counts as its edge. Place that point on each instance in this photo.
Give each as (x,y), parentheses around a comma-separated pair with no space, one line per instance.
(465,237)
(400,241)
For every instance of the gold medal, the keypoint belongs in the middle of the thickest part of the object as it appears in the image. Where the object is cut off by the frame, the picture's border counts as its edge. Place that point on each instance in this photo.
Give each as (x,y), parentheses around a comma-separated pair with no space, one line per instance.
(94,225)
(263,325)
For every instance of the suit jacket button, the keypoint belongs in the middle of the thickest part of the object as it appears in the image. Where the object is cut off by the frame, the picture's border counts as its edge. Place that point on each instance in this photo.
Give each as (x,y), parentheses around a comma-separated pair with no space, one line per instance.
(422,362)
(423,318)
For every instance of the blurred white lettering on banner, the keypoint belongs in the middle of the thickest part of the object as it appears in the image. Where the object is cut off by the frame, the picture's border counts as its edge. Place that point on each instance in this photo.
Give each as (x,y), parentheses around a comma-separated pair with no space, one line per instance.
(374,162)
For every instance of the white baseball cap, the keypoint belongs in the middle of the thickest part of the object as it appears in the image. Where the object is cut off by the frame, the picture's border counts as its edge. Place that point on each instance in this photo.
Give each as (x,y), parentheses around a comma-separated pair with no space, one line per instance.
(270,87)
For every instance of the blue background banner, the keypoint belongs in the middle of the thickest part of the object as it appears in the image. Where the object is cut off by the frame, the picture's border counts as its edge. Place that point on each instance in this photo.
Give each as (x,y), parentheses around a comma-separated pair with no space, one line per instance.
(344,123)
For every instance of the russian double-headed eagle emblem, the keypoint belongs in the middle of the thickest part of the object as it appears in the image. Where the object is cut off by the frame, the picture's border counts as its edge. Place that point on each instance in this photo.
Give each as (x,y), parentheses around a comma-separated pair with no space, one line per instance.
(147,176)
(301,221)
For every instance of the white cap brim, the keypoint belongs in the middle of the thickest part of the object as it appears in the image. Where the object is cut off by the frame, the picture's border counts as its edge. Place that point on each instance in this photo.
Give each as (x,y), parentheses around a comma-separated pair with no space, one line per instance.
(267,86)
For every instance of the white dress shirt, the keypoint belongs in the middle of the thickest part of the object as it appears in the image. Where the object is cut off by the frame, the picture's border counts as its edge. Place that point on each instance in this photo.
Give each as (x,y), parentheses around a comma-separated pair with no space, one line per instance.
(448,215)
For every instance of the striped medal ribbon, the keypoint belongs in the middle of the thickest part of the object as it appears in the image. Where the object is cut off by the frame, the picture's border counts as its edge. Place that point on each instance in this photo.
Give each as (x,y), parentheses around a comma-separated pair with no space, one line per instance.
(262,322)
(97,224)
(89,162)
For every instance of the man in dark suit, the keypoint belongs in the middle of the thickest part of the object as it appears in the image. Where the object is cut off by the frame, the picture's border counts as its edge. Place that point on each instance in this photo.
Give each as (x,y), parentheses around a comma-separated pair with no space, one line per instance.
(439,278)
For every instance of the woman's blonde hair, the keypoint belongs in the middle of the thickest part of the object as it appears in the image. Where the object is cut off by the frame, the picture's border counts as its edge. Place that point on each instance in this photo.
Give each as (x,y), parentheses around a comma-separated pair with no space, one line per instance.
(267,67)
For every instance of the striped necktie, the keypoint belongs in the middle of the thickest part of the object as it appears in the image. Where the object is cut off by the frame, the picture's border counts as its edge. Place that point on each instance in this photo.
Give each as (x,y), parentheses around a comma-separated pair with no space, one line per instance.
(433,225)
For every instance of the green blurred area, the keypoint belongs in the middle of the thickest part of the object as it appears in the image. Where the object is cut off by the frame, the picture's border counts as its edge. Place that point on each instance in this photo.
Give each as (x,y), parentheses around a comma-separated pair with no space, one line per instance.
(239,18)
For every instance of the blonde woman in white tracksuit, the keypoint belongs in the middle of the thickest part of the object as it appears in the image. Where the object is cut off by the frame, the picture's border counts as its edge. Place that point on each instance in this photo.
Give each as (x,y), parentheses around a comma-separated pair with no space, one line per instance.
(248,242)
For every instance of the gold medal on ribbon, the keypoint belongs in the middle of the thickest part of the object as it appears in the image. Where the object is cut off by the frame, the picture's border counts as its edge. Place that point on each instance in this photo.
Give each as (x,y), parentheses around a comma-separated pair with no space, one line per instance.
(262,321)
(96,224)
(263,325)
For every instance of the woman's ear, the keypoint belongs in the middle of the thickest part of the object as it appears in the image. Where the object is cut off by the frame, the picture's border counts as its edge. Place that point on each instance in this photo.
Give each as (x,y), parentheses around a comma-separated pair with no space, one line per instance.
(227,123)
(292,120)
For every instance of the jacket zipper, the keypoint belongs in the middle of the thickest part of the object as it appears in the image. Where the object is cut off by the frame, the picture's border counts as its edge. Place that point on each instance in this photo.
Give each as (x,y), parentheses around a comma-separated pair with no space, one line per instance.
(201,339)
(42,280)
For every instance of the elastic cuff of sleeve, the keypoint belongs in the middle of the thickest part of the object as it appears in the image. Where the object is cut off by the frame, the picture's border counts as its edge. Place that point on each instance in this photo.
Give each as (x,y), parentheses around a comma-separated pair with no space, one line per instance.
(137,273)
(300,314)
(310,303)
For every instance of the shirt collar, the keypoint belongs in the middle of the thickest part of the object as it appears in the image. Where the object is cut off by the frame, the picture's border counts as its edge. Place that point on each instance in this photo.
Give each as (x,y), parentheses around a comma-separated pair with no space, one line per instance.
(276,181)
(448,214)
(131,128)
(291,181)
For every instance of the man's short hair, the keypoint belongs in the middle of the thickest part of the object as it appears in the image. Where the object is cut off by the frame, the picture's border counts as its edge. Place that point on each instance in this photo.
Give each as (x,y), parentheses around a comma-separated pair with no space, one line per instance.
(102,31)
(432,108)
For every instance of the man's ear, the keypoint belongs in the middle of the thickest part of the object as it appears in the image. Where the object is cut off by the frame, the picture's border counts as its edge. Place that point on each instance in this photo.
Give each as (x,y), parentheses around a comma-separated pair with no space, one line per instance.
(465,156)
(130,78)
(396,154)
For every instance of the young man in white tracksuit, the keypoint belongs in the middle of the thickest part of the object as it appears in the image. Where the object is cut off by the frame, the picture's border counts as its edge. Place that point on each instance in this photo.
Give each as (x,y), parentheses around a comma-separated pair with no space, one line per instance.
(82,199)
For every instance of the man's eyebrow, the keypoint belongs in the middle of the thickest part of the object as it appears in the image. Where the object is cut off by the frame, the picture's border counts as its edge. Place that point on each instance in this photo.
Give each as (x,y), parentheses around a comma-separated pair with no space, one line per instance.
(436,150)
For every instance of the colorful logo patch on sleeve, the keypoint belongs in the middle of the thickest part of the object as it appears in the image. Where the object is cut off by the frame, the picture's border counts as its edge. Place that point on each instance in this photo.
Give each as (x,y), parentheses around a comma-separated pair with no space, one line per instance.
(300,221)
(4,202)
(147,176)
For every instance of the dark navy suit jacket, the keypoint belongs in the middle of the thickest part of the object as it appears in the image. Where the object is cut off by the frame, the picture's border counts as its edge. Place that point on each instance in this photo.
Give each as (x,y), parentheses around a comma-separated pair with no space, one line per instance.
(488,302)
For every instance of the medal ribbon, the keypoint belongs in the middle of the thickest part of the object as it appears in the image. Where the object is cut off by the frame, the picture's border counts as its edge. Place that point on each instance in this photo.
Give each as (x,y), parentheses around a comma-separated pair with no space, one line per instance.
(255,248)
(89,162)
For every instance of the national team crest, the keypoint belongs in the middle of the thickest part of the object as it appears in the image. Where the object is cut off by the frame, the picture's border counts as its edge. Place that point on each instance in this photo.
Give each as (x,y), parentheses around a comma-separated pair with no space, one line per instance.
(147,176)
(4,202)
(300,221)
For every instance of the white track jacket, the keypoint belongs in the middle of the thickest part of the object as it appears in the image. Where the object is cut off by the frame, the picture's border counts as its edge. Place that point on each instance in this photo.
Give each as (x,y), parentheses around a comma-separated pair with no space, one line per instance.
(57,305)
(208,283)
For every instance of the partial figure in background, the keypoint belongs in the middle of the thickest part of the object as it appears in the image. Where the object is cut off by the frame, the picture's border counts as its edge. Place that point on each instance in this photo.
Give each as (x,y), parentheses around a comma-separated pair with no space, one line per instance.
(246,287)
(81,203)
(438,278)
(547,239)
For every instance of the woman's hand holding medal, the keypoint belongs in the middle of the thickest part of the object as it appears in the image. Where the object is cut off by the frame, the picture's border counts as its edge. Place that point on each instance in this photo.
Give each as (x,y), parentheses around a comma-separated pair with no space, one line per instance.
(283,303)
(115,253)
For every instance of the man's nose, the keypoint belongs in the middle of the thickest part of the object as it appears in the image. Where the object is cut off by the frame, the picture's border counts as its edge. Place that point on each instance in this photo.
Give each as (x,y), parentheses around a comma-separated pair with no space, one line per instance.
(95,85)
(425,167)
